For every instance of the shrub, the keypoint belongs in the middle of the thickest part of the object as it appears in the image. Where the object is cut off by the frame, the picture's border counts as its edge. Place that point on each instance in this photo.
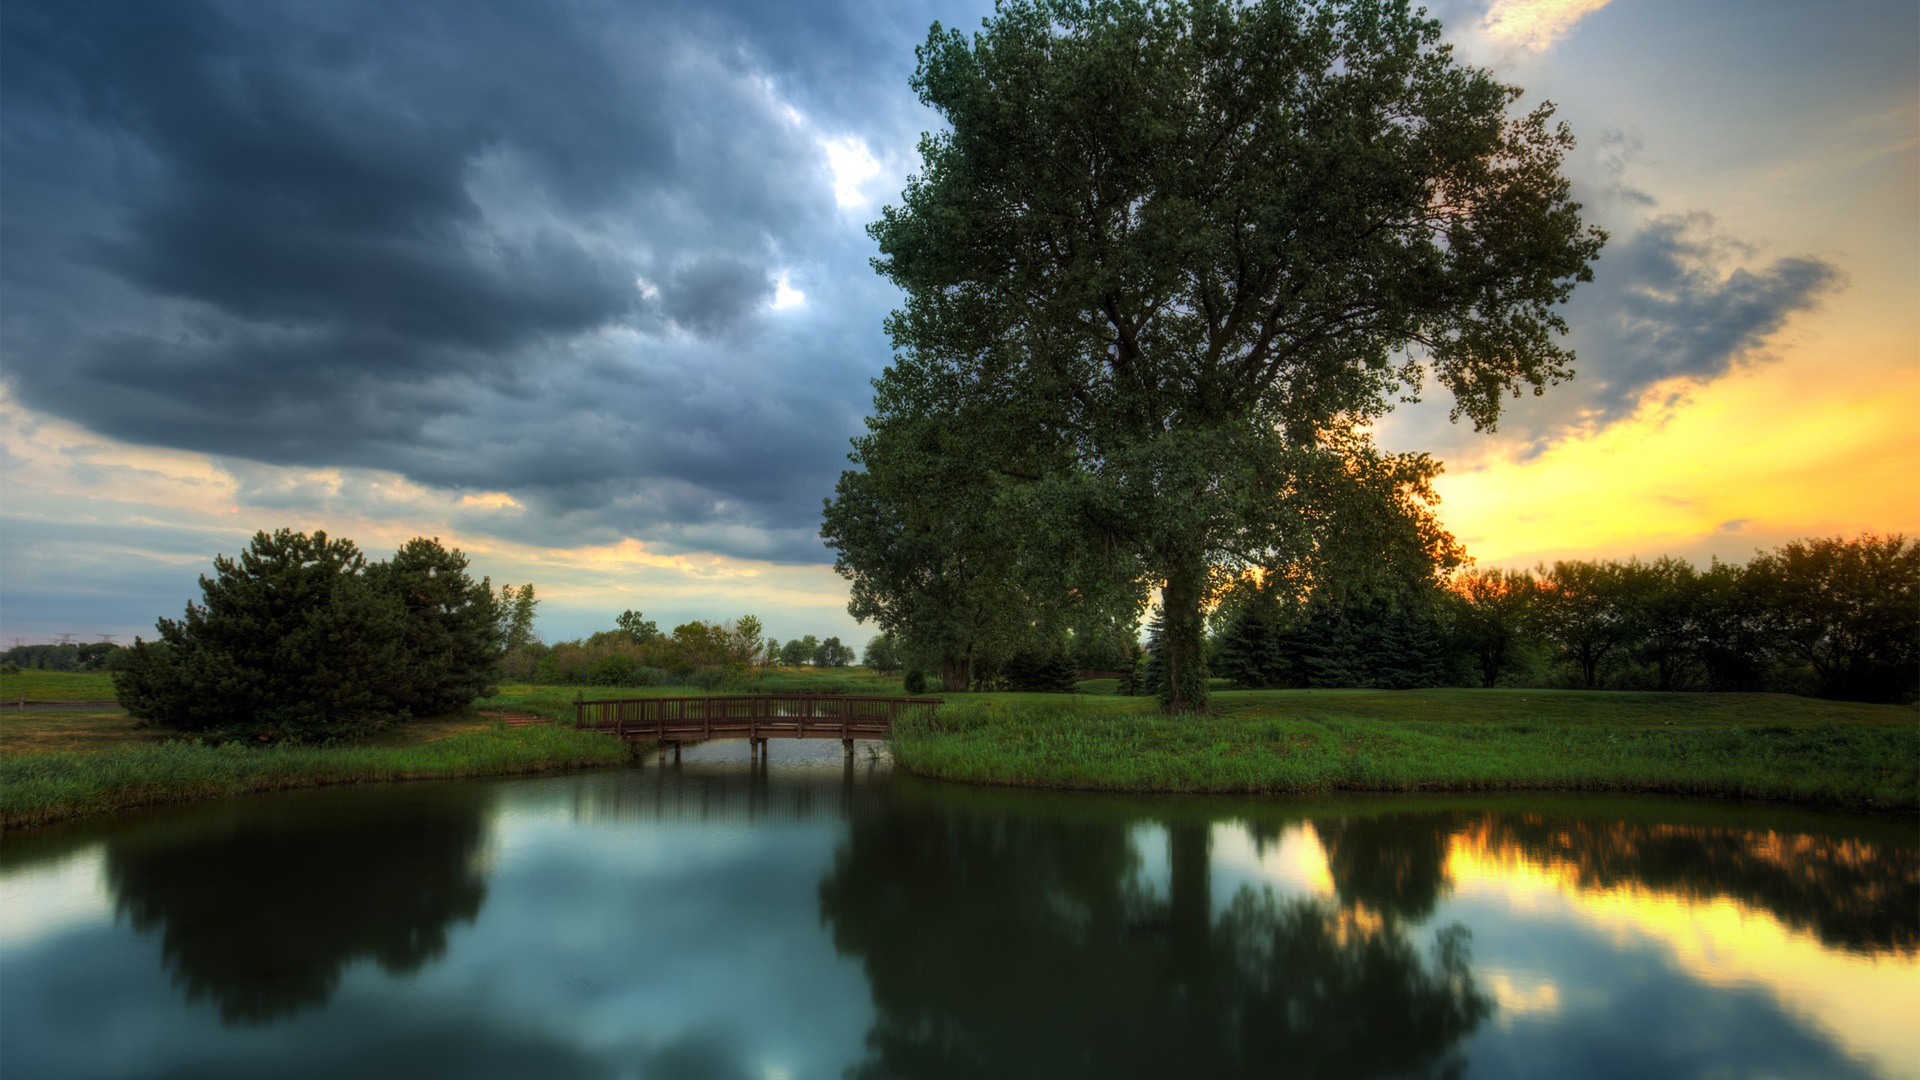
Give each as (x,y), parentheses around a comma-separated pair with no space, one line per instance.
(300,639)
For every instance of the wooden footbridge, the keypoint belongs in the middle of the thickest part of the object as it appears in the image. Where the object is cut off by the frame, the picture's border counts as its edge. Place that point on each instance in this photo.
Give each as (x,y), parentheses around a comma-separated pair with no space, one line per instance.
(754,717)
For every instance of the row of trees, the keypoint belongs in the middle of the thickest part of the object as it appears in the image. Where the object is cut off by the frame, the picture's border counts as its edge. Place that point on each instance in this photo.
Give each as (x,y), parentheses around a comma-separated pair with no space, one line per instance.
(636,653)
(65,656)
(302,638)
(1835,617)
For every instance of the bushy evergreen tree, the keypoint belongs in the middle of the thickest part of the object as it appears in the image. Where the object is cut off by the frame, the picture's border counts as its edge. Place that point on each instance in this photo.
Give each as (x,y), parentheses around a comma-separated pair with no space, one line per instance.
(450,627)
(1151,670)
(1133,675)
(300,638)
(291,640)
(1252,647)
(1041,669)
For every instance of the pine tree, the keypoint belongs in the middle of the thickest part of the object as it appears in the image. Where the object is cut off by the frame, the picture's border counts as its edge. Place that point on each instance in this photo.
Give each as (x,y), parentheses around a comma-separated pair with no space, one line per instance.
(1252,652)
(1156,634)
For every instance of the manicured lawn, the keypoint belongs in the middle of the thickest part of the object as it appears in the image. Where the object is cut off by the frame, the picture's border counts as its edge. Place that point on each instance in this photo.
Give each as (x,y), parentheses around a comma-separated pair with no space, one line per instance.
(1746,745)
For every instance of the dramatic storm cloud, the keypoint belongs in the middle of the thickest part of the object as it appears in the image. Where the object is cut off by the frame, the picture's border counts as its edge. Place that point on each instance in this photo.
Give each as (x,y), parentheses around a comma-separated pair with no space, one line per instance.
(491,246)
(582,285)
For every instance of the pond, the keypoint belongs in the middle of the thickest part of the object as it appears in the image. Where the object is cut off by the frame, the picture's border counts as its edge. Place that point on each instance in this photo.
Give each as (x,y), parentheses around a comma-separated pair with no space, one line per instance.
(810,918)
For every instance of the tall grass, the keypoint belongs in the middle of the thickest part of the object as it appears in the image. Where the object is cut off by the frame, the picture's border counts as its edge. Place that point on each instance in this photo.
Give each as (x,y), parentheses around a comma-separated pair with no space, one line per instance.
(39,788)
(1855,765)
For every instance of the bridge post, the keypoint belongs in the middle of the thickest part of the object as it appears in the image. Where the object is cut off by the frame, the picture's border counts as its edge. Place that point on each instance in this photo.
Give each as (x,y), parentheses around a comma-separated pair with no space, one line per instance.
(846,747)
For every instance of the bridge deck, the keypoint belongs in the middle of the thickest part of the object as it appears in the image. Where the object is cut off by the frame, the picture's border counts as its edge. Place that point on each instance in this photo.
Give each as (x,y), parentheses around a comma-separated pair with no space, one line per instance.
(747,716)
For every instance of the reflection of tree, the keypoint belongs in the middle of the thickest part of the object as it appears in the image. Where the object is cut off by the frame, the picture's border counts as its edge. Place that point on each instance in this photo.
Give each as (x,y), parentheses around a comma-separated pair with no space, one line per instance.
(262,916)
(1393,863)
(1848,893)
(1006,946)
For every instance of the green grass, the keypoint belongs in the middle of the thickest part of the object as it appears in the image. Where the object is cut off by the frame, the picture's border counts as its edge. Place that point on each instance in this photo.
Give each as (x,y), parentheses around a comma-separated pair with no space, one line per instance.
(39,788)
(1311,742)
(32,685)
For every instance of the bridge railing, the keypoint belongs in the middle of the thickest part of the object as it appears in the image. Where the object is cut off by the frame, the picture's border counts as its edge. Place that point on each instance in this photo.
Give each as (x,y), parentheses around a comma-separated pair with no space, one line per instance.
(750,715)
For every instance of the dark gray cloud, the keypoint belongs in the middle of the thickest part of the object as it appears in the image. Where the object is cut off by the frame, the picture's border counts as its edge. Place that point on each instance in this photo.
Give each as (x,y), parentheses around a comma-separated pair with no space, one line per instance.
(485,243)
(1672,298)
(713,295)
(1663,305)
(532,246)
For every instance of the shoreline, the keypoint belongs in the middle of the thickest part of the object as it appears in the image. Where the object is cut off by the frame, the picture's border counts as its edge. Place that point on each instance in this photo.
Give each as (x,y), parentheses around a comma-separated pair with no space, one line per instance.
(1778,749)
(46,788)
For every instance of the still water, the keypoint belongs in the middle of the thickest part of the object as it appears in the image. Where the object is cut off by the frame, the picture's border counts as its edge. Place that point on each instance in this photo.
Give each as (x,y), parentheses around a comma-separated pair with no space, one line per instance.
(810,919)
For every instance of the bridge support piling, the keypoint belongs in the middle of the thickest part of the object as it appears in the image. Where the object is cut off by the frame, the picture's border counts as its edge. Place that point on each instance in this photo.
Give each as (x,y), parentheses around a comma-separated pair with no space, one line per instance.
(846,747)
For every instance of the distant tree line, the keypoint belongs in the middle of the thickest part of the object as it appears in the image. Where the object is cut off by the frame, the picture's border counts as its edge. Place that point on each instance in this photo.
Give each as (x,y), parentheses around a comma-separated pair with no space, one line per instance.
(1834,617)
(635,653)
(300,638)
(67,656)
(699,654)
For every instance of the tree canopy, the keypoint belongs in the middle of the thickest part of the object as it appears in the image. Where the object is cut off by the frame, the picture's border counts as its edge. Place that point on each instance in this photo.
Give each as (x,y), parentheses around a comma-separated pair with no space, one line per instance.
(301,638)
(1166,259)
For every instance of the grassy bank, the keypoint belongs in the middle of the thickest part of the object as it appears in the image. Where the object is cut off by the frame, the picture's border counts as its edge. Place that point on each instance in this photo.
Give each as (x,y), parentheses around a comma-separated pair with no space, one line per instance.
(43,787)
(1749,746)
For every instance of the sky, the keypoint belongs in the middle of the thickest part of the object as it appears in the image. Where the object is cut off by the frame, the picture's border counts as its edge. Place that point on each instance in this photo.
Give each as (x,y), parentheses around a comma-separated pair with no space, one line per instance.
(583,289)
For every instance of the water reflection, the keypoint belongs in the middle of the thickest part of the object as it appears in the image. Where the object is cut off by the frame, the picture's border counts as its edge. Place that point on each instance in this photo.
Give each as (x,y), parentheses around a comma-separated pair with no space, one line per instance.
(1395,864)
(1034,947)
(820,919)
(1848,893)
(262,915)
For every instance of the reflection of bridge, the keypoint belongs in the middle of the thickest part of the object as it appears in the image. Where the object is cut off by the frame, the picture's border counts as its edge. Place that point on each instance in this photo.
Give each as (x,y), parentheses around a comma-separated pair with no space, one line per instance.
(754,717)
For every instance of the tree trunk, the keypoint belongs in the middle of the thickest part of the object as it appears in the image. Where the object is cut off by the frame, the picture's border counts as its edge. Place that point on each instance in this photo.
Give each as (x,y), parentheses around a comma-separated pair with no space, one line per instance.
(1183,670)
(953,673)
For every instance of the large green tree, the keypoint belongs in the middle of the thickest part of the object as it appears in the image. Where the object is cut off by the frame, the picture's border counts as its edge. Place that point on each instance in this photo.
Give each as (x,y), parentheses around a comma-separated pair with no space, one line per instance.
(290,640)
(451,627)
(300,638)
(1174,244)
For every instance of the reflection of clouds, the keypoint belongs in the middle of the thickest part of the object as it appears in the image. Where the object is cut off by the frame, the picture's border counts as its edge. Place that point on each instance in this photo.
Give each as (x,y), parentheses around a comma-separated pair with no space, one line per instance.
(1520,994)
(1294,862)
(686,929)
(43,902)
(1867,1004)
